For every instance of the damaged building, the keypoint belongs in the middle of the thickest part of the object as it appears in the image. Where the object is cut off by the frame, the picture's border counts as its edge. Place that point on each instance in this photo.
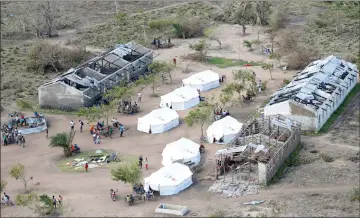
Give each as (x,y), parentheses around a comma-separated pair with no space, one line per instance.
(255,155)
(315,93)
(84,85)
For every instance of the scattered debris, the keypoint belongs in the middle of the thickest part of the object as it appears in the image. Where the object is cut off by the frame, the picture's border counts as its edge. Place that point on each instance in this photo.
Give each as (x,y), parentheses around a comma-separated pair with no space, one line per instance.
(253,202)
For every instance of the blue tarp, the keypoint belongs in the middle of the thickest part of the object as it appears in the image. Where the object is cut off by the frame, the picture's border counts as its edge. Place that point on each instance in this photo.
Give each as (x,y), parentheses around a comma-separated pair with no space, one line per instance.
(30,120)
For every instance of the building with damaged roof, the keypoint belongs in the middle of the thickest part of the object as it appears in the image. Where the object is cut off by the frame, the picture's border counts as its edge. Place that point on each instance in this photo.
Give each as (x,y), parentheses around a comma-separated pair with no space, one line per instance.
(315,93)
(85,84)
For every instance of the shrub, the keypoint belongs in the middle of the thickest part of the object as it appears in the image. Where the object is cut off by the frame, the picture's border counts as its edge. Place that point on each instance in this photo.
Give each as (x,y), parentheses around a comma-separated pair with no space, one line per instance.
(355,194)
(263,85)
(189,28)
(326,157)
(24,104)
(299,59)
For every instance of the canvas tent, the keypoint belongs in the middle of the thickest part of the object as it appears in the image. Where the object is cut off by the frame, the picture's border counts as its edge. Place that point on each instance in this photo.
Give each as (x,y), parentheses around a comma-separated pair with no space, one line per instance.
(225,128)
(181,151)
(158,121)
(204,81)
(169,180)
(181,99)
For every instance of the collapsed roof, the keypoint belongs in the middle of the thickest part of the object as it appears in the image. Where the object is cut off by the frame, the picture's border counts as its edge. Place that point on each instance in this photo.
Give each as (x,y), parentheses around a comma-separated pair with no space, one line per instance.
(91,73)
(317,82)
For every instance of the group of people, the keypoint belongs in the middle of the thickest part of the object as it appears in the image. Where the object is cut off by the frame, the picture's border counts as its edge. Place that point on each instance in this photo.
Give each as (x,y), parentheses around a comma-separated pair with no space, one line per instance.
(141,162)
(57,201)
(157,42)
(10,136)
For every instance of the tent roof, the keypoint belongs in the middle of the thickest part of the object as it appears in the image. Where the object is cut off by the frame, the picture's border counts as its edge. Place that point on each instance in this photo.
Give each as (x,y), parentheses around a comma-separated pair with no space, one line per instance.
(226,125)
(171,175)
(182,148)
(182,94)
(203,77)
(161,115)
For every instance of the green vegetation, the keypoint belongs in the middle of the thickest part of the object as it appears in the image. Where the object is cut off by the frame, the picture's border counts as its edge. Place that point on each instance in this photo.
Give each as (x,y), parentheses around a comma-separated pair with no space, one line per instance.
(65,164)
(40,204)
(200,115)
(224,62)
(127,172)
(3,184)
(327,126)
(64,141)
(95,113)
(355,194)
(292,161)
(18,172)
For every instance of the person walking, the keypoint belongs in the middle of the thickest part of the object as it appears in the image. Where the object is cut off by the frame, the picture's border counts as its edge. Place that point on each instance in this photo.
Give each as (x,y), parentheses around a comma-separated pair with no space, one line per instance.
(22,141)
(6,198)
(146,163)
(72,124)
(86,167)
(140,161)
(47,132)
(174,61)
(139,97)
(60,198)
(54,201)
(121,128)
(81,125)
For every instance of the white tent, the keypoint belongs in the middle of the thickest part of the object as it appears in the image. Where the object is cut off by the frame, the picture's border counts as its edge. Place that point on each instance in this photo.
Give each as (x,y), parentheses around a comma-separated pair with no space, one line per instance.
(158,121)
(182,151)
(169,180)
(225,128)
(181,99)
(204,81)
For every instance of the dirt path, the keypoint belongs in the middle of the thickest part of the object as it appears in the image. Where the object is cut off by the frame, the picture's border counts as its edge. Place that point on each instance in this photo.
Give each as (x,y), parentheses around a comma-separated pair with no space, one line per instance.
(324,138)
(355,101)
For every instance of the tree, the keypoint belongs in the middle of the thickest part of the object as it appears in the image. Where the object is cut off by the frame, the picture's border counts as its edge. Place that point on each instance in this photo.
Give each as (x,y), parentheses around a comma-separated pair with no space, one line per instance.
(63,140)
(18,171)
(40,204)
(243,81)
(269,67)
(95,113)
(120,92)
(162,26)
(158,67)
(276,56)
(210,33)
(127,172)
(3,185)
(200,115)
(244,15)
(200,47)
(262,9)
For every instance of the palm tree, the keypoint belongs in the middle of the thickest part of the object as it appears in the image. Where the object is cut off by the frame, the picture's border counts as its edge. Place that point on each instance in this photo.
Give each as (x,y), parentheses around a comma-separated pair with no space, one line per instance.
(64,141)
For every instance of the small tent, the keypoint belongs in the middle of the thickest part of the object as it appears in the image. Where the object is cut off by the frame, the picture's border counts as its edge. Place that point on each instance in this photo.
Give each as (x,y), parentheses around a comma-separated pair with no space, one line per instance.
(158,121)
(169,180)
(204,81)
(180,99)
(223,130)
(182,151)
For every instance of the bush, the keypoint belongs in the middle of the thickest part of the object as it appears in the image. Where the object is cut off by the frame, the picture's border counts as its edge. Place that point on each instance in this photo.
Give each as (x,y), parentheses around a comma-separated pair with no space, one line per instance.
(355,194)
(24,104)
(326,157)
(189,28)
(263,85)
(299,59)
(44,57)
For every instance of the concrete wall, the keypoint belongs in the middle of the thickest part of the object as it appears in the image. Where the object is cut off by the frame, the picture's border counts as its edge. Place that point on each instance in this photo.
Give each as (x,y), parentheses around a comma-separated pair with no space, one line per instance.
(59,95)
(267,171)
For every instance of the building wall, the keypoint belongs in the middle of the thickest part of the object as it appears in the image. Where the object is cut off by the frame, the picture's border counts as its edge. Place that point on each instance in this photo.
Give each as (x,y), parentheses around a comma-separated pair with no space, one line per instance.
(59,95)
(279,108)
(267,171)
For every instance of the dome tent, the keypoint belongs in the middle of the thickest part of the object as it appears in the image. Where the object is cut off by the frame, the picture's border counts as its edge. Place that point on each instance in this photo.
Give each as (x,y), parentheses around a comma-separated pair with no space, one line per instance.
(225,129)
(182,151)
(169,180)
(158,121)
(181,99)
(204,81)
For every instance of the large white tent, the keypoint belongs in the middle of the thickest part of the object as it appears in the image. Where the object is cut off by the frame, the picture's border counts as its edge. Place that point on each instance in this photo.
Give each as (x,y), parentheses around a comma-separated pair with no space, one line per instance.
(204,81)
(169,180)
(181,151)
(181,99)
(158,121)
(225,129)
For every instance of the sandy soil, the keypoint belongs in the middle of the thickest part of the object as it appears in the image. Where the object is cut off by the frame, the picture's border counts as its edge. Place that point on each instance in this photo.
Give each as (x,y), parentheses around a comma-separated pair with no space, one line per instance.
(87,194)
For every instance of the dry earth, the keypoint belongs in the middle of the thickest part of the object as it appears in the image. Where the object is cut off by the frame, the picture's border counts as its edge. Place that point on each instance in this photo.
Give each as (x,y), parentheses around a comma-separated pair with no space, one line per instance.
(314,188)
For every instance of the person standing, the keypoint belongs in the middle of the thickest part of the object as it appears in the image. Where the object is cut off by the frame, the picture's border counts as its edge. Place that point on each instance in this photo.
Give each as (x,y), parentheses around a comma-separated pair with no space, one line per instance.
(54,201)
(81,125)
(146,163)
(140,161)
(174,61)
(121,128)
(139,97)
(72,124)
(22,141)
(86,167)
(47,132)
(60,198)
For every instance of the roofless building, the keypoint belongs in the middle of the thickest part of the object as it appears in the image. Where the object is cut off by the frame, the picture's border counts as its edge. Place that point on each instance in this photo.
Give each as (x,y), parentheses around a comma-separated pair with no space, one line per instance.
(315,93)
(85,84)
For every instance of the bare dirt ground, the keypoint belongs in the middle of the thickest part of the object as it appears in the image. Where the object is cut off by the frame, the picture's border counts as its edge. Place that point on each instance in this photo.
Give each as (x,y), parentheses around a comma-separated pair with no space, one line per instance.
(314,188)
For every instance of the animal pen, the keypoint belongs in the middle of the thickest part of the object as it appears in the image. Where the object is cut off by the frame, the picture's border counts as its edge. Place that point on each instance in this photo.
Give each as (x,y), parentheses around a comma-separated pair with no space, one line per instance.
(266,142)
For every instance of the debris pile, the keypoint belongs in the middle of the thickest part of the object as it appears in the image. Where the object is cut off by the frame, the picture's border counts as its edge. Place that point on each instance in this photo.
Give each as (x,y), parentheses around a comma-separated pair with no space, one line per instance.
(234,190)
(94,161)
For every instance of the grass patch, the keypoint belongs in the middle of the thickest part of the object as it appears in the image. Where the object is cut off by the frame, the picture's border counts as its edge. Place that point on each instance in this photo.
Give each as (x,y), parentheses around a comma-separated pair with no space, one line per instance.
(327,126)
(87,156)
(224,62)
(291,161)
